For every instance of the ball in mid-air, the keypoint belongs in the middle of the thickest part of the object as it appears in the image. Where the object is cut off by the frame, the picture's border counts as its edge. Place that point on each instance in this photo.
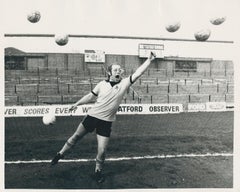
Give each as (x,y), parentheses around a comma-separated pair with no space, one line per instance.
(217,20)
(173,26)
(34,16)
(61,39)
(202,35)
(49,119)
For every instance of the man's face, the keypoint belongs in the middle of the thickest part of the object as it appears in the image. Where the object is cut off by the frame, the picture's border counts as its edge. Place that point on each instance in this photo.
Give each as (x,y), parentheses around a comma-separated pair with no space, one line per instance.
(116,73)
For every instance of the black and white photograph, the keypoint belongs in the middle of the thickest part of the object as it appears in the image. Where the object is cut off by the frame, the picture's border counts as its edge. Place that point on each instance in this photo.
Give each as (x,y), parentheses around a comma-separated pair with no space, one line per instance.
(120,95)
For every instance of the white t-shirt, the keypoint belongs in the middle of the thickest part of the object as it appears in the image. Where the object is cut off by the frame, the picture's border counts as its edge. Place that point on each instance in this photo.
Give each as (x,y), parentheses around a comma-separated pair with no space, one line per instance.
(108,99)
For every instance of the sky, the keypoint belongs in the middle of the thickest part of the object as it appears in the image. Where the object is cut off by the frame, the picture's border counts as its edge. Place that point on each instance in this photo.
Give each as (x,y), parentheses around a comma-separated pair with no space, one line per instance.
(144,18)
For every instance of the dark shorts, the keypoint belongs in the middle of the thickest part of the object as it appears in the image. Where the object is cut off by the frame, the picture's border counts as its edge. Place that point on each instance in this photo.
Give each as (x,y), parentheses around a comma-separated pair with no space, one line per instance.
(102,127)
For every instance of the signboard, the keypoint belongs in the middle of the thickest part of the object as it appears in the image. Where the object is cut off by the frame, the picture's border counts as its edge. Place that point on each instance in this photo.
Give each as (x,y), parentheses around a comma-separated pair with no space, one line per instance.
(124,109)
(207,107)
(196,107)
(145,49)
(63,110)
(216,106)
(94,56)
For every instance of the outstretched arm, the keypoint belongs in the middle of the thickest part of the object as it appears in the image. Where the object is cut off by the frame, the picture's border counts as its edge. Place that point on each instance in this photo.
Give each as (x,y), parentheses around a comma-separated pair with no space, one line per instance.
(140,70)
(84,100)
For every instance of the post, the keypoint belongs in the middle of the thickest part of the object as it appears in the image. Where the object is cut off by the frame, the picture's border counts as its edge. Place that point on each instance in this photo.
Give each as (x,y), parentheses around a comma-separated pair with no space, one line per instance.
(139,100)
(68,88)
(37,88)
(58,89)
(62,99)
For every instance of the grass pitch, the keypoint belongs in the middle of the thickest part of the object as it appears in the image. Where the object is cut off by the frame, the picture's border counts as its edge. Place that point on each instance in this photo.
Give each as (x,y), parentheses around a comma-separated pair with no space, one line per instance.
(138,135)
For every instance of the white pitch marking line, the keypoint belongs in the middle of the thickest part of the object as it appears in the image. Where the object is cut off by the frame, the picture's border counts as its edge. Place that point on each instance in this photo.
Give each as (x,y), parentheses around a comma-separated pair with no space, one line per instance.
(127,158)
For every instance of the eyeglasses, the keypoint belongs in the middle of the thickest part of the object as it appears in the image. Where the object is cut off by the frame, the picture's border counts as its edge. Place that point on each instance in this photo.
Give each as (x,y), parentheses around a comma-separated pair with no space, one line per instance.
(120,70)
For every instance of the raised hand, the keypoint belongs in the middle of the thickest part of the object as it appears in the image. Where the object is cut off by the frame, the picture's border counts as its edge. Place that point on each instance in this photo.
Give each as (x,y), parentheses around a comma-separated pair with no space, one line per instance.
(152,55)
(72,108)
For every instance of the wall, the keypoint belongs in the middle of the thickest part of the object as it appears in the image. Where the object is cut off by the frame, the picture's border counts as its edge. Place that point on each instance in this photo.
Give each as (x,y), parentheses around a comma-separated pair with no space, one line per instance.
(76,61)
(220,67)
(129,62)
(34,62)
(56,60)
(203,66)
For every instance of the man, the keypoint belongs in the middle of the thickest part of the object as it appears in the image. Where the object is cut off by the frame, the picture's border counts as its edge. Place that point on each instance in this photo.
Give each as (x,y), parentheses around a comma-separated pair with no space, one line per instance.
(108,95)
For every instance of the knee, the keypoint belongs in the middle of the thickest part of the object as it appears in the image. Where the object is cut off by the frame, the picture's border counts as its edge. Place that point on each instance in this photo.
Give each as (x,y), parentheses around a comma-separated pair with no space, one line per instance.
(72,140)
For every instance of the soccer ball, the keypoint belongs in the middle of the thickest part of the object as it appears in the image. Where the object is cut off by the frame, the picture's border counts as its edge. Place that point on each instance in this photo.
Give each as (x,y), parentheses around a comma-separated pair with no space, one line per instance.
(202,35)
(61,39)
(34,16)
(217,20)
(49,119)
(173,27)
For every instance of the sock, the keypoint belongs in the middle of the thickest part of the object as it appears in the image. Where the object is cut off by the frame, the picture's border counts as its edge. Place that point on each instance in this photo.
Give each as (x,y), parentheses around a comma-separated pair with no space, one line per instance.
(99,164)
(65,148)
(69,144)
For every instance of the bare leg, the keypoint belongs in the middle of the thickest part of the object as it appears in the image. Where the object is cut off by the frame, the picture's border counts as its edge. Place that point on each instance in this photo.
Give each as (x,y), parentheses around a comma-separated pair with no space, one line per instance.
(78,135)
(102,146)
